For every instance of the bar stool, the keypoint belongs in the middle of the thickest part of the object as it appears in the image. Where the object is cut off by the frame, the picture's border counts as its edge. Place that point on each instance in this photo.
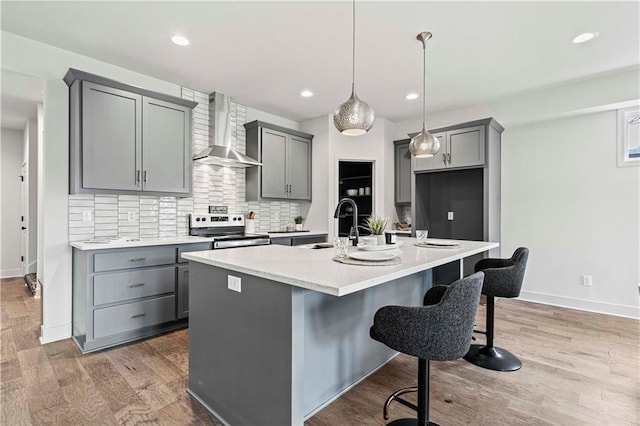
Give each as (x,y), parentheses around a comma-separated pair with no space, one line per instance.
(502,278)
(439,331)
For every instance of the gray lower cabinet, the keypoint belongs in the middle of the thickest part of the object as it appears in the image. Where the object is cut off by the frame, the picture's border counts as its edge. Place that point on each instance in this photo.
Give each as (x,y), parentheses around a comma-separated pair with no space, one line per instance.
(285,155)
(402,165)
(127,140)
(122,295)
(299,240)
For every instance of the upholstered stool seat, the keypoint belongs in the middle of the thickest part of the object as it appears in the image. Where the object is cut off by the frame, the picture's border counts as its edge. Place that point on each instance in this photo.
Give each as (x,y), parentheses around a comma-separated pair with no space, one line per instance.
(440,331)
(502,278)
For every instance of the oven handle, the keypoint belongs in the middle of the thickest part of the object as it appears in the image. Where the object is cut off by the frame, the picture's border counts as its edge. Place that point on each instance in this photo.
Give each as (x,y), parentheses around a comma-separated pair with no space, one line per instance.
(241,243)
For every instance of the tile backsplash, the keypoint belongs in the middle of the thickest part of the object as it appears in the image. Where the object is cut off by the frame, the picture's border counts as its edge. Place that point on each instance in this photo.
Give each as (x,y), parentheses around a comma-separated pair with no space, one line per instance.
(141,216)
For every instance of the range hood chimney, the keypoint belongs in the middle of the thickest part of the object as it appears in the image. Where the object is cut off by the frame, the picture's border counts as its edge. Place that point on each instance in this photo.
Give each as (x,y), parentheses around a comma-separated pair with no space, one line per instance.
(219,151)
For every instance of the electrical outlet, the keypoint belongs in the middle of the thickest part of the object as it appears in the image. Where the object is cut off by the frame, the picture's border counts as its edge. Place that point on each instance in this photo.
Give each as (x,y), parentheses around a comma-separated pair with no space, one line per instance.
(586,280)
(131,215)
(87,215)
(449,215)
(234,283)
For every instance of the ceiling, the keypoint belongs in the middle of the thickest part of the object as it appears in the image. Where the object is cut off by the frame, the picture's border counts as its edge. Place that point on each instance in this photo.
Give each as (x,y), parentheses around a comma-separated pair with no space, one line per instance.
(265,53)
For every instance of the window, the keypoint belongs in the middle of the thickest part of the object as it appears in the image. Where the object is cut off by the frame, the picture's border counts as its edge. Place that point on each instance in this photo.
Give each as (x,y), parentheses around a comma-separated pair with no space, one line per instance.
(629,136)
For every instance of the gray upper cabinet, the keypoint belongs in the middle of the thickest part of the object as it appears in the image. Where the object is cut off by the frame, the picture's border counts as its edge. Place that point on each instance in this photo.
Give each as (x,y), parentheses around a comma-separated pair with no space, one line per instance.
(127,140)
(402,172)
(459,148)
(167,147)
(285,155)
(113,133)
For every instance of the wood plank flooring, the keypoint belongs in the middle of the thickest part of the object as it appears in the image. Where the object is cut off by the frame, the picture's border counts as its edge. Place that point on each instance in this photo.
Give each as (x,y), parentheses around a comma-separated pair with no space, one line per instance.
(579,368)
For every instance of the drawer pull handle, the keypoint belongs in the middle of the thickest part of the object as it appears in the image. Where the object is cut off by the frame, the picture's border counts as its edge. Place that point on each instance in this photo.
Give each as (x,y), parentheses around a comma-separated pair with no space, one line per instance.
(132,285)
(137,259)
(138,315)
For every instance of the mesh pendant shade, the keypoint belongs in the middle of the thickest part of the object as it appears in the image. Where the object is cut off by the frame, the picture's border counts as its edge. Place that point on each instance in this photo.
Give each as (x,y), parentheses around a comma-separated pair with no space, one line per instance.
(424,144)
(354,117)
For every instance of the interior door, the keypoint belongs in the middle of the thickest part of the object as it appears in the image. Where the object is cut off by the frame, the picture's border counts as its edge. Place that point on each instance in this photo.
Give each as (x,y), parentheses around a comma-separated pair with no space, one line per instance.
(24,214)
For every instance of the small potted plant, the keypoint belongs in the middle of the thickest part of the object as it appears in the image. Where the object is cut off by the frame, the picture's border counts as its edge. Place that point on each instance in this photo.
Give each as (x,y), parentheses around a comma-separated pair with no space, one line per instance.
(298,221)
(376,225)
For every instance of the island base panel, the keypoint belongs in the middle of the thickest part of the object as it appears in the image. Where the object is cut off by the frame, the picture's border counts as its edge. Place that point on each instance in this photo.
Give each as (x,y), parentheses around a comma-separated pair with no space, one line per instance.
(276,353)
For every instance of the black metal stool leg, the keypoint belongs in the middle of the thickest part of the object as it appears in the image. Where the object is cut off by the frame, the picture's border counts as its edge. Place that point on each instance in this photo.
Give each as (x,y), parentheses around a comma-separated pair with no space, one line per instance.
(423,399)
(488,356)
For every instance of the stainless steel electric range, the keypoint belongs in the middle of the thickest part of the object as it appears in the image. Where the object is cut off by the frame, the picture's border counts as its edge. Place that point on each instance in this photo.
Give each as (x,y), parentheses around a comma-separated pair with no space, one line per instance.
(227,230)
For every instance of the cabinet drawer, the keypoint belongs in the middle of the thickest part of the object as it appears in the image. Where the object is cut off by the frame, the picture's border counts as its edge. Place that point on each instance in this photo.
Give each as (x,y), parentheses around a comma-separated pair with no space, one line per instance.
(133,285)
(311,239)
(131,316)
(191,247)
(282,241)
(134,258)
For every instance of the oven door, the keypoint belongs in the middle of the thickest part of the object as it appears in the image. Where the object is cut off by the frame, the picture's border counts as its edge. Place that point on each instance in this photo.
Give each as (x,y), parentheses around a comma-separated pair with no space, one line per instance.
(245,242)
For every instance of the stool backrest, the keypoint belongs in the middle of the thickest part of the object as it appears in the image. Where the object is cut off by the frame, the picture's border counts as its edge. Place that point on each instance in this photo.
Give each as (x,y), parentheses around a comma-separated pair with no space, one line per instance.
(441,331)
(504,277)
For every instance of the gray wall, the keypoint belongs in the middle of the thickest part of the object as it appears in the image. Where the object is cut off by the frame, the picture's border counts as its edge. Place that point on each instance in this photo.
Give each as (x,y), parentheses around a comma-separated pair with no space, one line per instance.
(10,234)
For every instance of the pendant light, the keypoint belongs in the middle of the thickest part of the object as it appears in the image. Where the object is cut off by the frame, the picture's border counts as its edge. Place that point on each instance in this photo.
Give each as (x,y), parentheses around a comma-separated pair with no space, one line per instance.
(424,144)
(354,117)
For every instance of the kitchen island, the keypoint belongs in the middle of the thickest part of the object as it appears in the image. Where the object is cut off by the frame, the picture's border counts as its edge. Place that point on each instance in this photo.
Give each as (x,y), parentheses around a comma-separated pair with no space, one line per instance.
(296,335)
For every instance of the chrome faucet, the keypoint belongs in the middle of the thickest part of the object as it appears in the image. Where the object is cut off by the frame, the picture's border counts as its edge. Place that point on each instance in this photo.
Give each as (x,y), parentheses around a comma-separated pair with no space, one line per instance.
(353,233)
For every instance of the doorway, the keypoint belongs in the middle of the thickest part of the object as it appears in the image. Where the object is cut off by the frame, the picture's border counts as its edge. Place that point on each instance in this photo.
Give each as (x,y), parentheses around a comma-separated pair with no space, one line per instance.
(355,181)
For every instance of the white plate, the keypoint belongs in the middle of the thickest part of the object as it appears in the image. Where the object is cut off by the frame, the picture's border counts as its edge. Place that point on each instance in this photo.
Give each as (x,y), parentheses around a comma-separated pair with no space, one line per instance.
(444,243)
(379,248)
(371,256)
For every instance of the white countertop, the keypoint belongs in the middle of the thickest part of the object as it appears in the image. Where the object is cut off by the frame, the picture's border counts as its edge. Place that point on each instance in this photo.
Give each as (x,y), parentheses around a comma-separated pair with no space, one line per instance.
(295,234)
(314,269)
(142,242)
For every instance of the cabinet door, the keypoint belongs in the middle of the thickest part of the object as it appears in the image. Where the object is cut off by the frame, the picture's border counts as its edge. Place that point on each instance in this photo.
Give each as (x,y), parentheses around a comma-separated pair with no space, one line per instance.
(274,150)
(183,292)
(111,138)
(402,174)
(166,152)
(466,147)
(299,166)
(435,162)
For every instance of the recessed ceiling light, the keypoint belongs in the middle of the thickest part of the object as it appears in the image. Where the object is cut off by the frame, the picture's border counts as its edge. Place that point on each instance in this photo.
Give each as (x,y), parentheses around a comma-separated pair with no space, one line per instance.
(581,38)
(306,93)
(180,40)
(412,96)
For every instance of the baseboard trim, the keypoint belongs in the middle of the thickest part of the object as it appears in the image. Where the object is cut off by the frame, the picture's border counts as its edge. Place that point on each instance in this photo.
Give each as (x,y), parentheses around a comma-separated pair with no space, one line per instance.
(582,304)
(55,333)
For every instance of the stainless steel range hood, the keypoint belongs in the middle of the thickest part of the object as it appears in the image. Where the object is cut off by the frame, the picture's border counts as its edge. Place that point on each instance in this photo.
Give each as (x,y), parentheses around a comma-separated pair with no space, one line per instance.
(219,151)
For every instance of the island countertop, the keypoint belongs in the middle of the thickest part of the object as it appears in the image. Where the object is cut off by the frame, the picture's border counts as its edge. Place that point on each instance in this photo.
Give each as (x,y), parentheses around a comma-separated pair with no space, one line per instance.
(314,269)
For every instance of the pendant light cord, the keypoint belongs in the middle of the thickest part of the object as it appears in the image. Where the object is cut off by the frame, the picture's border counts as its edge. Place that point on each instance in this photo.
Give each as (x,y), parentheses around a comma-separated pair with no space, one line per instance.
(353,48)
(424,84)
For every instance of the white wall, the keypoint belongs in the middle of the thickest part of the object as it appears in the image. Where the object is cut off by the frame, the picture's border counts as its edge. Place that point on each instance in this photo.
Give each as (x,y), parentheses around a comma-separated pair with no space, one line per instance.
(565,198)
(11,202)
(562,194)
(255,114)
(330,147)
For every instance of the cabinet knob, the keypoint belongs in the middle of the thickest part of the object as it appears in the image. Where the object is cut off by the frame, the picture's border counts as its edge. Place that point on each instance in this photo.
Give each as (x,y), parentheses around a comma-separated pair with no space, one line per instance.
(444,159)
(138,315)
(449,157)
(132,285)
(137,176)
(137,259)
(146,176)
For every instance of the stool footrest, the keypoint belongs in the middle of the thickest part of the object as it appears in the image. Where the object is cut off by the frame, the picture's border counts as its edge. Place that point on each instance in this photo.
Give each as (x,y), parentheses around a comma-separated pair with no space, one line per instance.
(396,397)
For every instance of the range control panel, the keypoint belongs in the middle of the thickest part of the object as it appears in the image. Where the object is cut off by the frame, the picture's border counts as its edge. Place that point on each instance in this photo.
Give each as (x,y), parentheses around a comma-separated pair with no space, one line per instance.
(215,220)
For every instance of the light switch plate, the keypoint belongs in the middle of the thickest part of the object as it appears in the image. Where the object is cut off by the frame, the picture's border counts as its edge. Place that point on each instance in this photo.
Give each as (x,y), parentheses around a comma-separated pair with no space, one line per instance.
(131,215)
(234,283)
(87,215)
(449,215)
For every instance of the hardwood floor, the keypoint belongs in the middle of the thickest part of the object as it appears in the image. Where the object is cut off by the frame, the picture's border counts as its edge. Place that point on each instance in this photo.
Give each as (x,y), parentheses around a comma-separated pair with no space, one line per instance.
(579,368)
